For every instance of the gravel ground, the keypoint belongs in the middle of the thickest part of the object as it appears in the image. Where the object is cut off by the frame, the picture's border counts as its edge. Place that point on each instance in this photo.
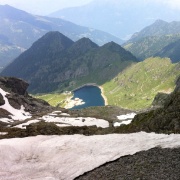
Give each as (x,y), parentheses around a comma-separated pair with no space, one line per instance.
(154,164)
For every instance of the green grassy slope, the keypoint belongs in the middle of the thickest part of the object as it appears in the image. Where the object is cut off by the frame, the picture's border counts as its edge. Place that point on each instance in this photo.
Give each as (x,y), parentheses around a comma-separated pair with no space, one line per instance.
(55,99)
(136,86)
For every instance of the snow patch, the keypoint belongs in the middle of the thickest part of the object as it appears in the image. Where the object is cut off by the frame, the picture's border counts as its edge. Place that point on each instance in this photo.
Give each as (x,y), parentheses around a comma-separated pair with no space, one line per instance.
(6,120)
(124,119)
(57,112)
(16,113)
(127,116)
(3,133)
(80,121)
(65,114)
(66,157)
(116,124)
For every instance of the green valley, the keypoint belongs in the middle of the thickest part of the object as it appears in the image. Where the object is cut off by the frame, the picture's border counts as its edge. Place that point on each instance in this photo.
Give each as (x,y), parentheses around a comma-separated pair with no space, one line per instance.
(135,87)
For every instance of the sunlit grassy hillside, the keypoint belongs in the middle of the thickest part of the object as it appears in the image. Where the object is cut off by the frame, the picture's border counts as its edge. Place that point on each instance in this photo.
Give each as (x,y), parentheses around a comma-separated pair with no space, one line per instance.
(136,86)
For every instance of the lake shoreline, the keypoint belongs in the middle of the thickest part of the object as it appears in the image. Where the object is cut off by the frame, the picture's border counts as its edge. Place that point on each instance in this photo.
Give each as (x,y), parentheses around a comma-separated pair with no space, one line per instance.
(103,95)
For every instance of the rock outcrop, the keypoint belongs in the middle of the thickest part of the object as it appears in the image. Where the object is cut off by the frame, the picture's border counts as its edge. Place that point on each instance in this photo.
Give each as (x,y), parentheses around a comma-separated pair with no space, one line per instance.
(177,89)
(160,99)
(2,102)
(18,96)
(14,85)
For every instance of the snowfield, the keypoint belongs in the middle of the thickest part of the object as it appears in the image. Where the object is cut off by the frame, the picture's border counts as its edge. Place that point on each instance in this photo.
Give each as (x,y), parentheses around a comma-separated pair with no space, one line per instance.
(66,157)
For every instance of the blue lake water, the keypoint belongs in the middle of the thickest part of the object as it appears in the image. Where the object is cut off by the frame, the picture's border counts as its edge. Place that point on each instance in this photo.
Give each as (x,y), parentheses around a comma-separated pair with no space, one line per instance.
(91,95)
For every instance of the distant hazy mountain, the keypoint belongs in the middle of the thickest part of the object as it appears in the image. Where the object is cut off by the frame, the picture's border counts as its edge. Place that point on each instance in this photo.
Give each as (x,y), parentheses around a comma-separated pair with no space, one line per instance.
(172,51)
(56,62)
(121,18)
(7,51)
(158,28)
(18,30)
(153,39)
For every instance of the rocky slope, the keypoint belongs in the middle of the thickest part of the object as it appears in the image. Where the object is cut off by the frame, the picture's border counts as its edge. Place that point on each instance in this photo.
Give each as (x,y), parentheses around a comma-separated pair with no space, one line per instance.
(56,62)
(155,163)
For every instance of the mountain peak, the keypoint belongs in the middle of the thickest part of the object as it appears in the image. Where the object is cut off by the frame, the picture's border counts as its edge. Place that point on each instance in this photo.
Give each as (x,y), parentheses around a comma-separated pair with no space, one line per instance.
(86,42)
(112,46)
(54,39)
(82,45)
(12,13)
(160,21)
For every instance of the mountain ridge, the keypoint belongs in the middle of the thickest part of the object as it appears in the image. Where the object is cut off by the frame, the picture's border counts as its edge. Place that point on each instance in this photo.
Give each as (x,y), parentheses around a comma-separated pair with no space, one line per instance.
(152,39)
(102,11)
(56,62)
(171,51)
(21,29)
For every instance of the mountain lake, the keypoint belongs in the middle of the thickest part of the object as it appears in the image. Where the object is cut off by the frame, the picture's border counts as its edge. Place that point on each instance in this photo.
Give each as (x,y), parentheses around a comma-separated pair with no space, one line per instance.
(91,95)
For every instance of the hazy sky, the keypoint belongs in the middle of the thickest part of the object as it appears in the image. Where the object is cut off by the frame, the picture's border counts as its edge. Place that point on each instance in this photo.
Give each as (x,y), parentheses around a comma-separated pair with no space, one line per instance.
(45,7)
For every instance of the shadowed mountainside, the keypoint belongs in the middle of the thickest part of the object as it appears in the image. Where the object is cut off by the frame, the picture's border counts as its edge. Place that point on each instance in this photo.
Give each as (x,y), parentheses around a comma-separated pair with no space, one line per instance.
(55,62)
